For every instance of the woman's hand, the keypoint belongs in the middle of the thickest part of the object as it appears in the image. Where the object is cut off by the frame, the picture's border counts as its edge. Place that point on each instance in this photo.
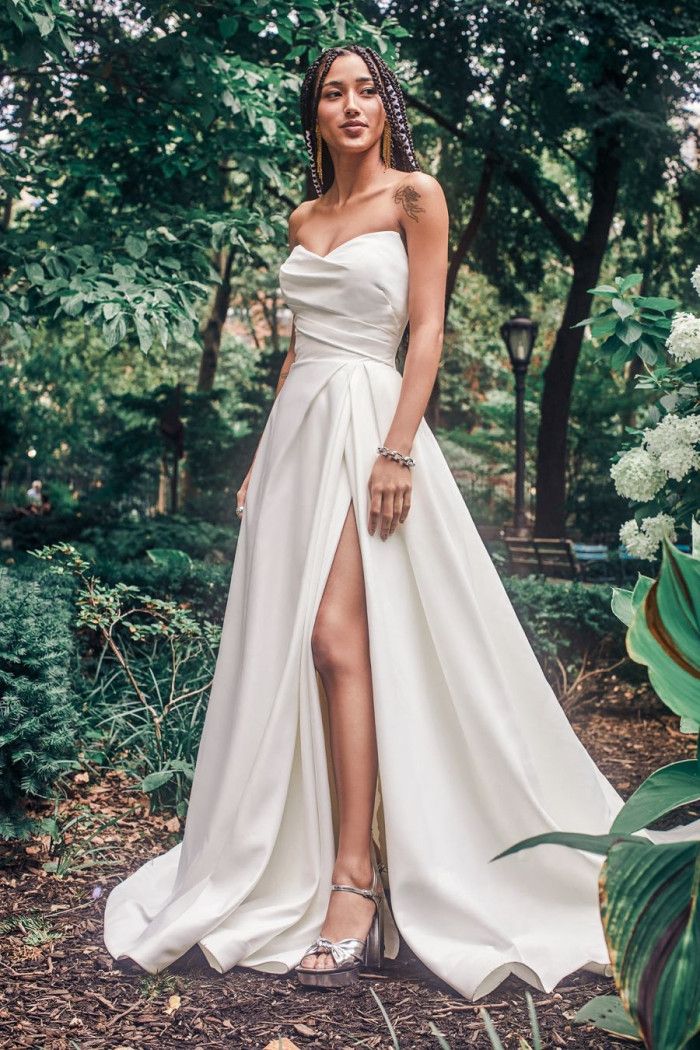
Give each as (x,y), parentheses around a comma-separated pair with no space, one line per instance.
(241,494)
(389,485)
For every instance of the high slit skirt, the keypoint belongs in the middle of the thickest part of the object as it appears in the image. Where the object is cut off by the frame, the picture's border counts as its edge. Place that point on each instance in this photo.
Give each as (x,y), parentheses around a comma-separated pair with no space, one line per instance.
(474,750)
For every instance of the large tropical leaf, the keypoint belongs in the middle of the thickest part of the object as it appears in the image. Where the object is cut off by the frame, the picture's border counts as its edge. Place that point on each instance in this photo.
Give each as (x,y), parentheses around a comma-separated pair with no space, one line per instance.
(663,791)
(649,908)
(664,632)
(577,839)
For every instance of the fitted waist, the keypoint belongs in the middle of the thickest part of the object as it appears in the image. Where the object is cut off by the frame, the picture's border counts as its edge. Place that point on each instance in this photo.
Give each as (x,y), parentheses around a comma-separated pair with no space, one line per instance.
(314,340)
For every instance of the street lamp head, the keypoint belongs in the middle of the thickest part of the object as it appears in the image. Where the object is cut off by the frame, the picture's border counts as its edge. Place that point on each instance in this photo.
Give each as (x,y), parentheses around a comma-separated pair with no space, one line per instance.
(519,335)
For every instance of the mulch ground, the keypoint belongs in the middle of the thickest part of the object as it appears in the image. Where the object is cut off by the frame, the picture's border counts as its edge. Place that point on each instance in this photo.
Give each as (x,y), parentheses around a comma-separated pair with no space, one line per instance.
(60,988)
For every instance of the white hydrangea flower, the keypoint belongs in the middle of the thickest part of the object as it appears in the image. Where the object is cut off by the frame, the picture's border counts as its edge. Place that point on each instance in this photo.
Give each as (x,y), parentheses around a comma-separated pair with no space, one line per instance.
(644,542)
(695,279)
(684,338)
(637,475)
(638,545)
(672,443)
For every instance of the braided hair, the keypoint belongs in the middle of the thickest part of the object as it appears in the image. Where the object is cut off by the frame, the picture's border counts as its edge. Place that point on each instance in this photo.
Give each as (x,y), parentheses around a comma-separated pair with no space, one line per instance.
(402,155)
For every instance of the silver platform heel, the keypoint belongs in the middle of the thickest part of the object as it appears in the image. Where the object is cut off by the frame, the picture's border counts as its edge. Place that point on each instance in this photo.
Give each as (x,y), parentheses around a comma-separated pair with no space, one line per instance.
(349,954)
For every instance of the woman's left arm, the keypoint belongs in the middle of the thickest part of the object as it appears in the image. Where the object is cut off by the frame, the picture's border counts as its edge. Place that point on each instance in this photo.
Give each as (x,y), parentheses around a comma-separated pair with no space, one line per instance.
(424,218)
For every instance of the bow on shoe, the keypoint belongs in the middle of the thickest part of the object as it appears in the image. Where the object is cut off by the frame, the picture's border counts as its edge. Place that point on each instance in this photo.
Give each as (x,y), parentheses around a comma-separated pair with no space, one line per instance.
(342,951)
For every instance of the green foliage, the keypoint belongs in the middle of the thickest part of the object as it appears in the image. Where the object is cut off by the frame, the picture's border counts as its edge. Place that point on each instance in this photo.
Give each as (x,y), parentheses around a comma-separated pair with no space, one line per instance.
(664,628)
(632,324)
(152,666)
(124,541)
(31,530)
(72,841)
(38,715)
(202,585)
(565,623)
(636,328)
(652,928)
(608,1013)
(178,132)
(652,921)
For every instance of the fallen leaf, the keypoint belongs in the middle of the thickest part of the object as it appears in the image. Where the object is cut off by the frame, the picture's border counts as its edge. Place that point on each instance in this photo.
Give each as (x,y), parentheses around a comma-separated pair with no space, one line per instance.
(174,1004)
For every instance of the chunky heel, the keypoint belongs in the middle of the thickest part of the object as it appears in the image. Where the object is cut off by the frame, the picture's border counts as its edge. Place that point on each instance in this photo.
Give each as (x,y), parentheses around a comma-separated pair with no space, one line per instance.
(374,946)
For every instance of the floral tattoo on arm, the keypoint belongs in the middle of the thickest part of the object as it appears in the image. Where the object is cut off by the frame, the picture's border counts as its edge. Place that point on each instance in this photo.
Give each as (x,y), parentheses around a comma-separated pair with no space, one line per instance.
(408,197)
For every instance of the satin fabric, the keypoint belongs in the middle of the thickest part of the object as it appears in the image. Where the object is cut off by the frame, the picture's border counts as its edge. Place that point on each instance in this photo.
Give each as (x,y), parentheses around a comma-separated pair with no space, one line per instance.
(474,749)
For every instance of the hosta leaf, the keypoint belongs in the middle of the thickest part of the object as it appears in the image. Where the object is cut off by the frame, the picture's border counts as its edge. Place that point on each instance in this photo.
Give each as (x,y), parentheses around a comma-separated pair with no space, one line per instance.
(665,631)
(649,908)
(663,791)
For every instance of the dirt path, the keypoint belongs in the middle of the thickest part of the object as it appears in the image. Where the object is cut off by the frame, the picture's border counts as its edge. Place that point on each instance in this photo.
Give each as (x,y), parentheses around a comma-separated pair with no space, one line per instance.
(59,988)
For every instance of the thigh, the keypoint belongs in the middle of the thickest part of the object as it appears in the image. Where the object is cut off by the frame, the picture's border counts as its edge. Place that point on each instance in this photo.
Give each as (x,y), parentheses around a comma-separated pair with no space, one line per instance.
(343,597)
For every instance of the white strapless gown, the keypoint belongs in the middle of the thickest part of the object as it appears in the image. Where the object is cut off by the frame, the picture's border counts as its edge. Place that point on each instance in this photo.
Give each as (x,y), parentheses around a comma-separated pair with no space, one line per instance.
(475,751)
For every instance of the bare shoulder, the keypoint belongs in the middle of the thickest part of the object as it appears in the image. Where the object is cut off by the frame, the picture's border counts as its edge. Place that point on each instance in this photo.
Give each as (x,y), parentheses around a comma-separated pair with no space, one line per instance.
(296,220)
(419,195)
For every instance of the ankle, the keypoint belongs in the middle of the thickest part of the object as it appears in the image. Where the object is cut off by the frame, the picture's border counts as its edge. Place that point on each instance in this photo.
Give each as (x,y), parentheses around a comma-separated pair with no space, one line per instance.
(355,870)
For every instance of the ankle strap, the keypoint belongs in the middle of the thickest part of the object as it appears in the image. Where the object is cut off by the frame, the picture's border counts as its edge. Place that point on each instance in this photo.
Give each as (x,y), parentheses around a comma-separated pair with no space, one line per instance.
(374,893)
(371,894)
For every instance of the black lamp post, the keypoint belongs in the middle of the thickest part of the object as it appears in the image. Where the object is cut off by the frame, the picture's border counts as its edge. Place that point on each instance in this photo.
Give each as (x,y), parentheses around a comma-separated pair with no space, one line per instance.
(519,335)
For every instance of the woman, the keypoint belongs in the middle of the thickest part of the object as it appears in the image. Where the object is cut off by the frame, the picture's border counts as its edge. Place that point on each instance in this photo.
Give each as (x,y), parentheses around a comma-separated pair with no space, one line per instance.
(373,676)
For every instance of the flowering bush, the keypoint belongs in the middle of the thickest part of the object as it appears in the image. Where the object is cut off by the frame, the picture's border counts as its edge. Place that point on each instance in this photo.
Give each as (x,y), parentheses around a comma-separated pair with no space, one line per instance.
(661,472)
(684,339)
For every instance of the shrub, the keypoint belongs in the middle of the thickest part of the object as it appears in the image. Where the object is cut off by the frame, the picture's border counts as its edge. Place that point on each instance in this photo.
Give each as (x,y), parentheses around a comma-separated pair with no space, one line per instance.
(202,585)
(38,715)
(567,625)
(125,540)
(147,668)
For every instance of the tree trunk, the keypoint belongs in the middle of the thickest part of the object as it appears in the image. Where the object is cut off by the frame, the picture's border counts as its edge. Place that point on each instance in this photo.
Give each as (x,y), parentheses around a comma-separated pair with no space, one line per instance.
(211,337)
(550,512)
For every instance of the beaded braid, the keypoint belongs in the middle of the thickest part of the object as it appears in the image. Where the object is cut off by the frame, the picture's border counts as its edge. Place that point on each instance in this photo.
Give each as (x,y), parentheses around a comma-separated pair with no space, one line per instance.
(402,154)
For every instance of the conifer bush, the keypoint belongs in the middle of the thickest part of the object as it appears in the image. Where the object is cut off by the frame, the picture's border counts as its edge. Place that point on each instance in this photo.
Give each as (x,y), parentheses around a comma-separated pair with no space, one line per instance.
(38,714)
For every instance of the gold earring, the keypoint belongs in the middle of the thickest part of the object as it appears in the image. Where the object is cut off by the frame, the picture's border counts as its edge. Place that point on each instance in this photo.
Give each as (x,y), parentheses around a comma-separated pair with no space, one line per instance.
(319,154)
(386,144)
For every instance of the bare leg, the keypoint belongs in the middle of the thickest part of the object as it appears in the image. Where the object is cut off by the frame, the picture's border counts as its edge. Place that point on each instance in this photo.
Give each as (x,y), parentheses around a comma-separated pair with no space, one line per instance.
(340,645)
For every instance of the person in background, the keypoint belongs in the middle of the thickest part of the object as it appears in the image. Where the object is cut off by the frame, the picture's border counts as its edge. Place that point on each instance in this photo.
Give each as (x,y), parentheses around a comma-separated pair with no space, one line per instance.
(34,498)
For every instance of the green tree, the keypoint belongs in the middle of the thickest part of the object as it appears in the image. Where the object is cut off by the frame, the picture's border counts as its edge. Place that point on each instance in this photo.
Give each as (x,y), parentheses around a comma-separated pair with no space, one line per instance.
(556,121)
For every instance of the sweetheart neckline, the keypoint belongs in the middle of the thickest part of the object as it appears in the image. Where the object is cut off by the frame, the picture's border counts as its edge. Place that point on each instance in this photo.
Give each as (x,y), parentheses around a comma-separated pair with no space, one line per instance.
(369,233)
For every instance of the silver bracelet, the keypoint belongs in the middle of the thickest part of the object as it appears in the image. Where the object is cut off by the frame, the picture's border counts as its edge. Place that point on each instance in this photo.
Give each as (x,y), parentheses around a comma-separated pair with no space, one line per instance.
(398,456)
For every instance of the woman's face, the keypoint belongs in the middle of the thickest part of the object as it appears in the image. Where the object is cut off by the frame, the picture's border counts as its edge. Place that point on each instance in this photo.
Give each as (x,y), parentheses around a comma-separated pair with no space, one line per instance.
(350,111)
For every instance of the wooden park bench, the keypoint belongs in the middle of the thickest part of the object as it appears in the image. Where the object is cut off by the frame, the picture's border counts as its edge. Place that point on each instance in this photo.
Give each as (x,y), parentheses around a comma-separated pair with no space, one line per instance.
(542,556)
(563,559)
